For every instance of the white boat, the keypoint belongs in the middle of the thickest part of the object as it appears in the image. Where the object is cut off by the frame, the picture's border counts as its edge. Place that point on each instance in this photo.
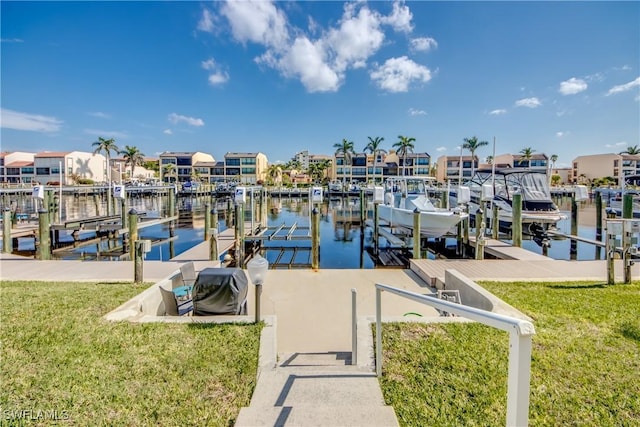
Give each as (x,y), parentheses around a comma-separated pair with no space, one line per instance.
(539,212)
(404,195)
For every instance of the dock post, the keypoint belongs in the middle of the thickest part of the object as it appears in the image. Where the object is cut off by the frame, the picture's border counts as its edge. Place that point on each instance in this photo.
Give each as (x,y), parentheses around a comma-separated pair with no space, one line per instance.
(479,252)
(362,208)
(627,262)
(123,213)
(7,242)
(229,216)
(627,206)
(516,220)
(172,202)
(465,234)
(610,253)
(376,224)
(138,262)
(214,218)
(109,199)
(416,234)
(207,221)
(598,222)
(315,238)
(133,232)
(44,245)
(239,231)
(495,221)
(172,233)
(213,245)
(573,249)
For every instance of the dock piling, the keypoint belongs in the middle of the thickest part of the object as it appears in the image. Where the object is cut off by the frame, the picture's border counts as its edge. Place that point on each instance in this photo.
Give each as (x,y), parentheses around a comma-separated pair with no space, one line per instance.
(573,249)
(44,243)
(315,238)
(598,222)
(416,234)
(7,242)
(133,232)
(479,252)
(516,222)
(207,221)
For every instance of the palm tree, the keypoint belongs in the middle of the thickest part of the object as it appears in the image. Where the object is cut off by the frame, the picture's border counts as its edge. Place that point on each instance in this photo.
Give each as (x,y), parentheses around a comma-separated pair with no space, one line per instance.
(404,145)
(554,159)
(374,147)
(472,144)
(346,149)
(490,160)
(274,173)
(106,146)
(631,150)
(132,157)
(170,172)
(527,154)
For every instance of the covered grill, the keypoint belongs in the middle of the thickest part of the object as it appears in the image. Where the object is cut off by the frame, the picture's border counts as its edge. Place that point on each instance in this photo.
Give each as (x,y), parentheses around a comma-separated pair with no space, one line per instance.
(220,291)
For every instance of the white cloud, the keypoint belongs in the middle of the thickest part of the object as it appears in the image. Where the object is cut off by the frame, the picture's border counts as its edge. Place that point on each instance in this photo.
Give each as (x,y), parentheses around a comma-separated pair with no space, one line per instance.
(355,40)
(257,21)
(206,21)
(107,133)
(16,120)
(99,115)
(177,118)
(396,74)
(625,87)
(167,132)
(561,134)
(572,86)
(306,61)
(617,144)
(415,112)
(217,75)
(400,18)
(423,44)
(528,102)
(320,63)
(441,149)
(498,112)
(12,40)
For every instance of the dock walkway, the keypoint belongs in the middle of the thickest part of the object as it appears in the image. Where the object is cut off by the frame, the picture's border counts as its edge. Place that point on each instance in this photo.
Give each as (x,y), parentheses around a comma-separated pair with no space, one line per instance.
(505,251)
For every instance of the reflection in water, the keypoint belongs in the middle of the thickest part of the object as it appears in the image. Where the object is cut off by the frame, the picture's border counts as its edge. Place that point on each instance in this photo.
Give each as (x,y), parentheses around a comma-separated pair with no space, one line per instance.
(343,237)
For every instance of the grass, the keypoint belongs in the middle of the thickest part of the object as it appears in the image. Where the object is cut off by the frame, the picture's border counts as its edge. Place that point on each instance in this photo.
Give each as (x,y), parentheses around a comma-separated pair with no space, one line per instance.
(585,367)
(59,355)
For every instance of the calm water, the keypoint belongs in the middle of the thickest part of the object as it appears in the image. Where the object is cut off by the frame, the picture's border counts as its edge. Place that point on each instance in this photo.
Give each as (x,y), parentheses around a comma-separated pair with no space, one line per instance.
(342,240)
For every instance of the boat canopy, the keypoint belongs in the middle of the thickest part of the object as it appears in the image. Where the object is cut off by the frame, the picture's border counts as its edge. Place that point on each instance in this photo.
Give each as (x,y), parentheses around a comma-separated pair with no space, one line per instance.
(409,184)
(533,185)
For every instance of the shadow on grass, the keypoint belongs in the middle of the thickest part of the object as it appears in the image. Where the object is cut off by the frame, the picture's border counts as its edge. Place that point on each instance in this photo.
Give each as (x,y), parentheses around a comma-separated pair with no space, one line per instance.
(630,330)
(576,285)
(201,326)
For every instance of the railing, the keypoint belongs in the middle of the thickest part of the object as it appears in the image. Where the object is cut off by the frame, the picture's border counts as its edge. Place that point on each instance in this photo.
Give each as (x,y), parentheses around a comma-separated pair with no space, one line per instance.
(520,332)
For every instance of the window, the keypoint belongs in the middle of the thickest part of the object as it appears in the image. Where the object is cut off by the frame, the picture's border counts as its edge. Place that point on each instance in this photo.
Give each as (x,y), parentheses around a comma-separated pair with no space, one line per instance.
(217,171)
(422,161)
(422,171)
(203,171)
(27,170)
(13,171)
(248,161)
(233,171)
(168,161)
(340,161)
(615,164)
(248,171)
(359,161)
(184,161)
(359,171)
(466,164)
(232,162)
(42,171)
(184,171)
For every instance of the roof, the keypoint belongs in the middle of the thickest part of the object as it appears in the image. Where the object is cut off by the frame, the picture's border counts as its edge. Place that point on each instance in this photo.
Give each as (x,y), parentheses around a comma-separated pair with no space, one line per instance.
(19,164)
(45,154)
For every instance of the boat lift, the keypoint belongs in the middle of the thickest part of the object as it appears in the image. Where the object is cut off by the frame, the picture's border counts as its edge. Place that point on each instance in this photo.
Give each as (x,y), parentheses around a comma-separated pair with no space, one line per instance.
(623,238)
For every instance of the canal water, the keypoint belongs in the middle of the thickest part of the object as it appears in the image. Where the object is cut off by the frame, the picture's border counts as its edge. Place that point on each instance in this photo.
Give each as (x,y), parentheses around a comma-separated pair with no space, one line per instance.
(343,242)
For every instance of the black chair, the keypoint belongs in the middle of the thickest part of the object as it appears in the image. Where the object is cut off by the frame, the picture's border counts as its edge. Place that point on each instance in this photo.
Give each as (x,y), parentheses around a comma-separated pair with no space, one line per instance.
(172,307)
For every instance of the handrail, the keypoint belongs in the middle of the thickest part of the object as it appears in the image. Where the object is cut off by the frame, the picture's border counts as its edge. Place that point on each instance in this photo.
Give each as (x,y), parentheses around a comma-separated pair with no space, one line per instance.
(520,332)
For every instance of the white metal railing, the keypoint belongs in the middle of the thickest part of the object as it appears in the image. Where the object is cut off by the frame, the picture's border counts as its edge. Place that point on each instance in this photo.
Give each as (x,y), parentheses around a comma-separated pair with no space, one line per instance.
(520,332)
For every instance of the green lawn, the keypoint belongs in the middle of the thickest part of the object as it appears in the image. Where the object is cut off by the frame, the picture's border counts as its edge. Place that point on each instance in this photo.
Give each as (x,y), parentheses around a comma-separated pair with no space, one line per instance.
(585,367)
(59,354)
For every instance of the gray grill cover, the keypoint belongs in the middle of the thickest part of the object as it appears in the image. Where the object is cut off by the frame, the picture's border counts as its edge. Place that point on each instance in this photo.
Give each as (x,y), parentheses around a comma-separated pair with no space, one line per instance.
(220,291)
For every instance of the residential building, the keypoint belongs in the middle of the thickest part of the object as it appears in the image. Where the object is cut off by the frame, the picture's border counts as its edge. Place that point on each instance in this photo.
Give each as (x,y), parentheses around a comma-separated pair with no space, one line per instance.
(303,158)
(365,168)
(538,161)
(449,168)
(183,165)
(587,168)
(246,168)
(51,166)
(16,167)
(565,175)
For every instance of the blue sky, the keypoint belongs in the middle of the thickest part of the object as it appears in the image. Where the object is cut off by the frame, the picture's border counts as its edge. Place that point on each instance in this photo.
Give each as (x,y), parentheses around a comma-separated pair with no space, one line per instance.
(280,77)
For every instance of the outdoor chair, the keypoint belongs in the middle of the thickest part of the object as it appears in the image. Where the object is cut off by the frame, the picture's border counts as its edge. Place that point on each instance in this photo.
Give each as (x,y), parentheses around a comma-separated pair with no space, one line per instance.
(171,305)
(188,273)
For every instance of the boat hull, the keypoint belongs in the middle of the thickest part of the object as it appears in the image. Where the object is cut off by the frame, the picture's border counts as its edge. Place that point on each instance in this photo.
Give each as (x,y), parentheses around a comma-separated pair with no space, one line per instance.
(433,224)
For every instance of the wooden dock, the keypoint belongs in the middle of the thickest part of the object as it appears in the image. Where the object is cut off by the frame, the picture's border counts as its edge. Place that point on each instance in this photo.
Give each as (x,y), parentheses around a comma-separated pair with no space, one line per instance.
(505,251)
(200,252)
